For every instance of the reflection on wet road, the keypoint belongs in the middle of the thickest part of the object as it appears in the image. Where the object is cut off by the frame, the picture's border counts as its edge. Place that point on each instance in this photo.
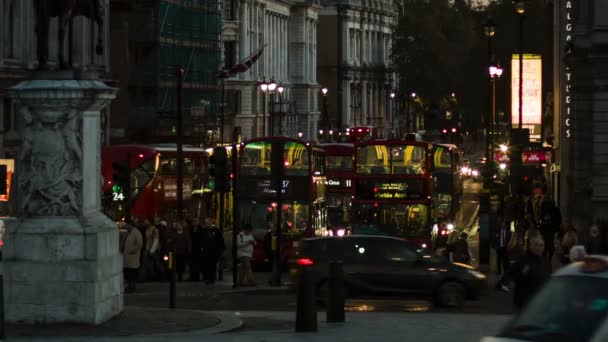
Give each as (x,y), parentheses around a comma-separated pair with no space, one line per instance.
(394,305)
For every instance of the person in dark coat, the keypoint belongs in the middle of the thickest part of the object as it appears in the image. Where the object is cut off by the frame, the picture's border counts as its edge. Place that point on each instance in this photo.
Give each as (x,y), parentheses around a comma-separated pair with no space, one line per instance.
(181,239)
(503,236)
(593,242)
(460,251)
(550,221)
(213,248)
(530,272)
(196,248)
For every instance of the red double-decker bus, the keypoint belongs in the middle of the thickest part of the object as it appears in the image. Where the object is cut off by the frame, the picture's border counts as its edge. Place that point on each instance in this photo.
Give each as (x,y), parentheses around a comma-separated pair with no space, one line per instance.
(154,181)
(448,189)
(392,190)
(296,168)
(339,173)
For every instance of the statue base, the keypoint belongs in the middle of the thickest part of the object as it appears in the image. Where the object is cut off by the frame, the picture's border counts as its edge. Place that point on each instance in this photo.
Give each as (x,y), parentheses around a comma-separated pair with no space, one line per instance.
(62,270)
(61,256)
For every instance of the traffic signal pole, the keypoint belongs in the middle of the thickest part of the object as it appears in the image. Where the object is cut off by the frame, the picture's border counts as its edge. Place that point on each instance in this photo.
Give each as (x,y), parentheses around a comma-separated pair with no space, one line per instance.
(178,140)
(235,226)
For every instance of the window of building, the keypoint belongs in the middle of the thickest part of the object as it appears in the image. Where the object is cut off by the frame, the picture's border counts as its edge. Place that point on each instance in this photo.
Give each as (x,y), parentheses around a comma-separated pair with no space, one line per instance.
(229,10)
(229,54)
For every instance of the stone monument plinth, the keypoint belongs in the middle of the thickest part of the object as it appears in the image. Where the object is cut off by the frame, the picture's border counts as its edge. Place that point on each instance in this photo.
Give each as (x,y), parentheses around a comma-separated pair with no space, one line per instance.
(61,255)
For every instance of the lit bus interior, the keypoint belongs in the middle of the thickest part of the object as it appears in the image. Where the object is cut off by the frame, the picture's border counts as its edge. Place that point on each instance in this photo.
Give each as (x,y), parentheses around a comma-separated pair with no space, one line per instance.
(259,210)
(255,159)
(402,159)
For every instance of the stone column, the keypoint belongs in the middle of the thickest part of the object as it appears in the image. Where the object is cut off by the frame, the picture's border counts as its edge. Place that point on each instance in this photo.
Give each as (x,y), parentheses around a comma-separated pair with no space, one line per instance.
(61,258)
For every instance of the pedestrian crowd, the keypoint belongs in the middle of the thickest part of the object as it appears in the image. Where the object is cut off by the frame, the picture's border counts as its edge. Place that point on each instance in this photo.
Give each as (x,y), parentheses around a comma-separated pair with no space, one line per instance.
(145,244)
(532,241)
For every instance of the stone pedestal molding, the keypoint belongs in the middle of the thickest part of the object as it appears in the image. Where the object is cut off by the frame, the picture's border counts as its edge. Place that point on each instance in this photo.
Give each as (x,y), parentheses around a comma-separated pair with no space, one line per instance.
(61,258)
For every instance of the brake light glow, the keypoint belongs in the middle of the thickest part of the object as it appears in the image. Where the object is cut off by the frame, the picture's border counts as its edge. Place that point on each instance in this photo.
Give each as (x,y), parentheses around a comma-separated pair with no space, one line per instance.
(305,262)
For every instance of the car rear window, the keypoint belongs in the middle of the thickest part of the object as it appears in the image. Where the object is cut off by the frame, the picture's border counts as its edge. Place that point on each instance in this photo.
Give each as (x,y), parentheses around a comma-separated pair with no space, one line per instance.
(569,308)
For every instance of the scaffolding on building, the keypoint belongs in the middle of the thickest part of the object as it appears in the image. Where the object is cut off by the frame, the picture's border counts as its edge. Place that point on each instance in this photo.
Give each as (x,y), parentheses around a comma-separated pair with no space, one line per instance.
(186,32)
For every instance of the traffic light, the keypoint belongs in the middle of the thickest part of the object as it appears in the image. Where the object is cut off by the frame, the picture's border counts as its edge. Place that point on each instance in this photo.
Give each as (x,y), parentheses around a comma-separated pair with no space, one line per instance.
(122,180)
(218,169)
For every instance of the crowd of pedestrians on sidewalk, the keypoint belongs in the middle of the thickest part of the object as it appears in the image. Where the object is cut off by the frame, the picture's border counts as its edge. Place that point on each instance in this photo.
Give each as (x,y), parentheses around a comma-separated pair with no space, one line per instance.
(532,241)
(145,245)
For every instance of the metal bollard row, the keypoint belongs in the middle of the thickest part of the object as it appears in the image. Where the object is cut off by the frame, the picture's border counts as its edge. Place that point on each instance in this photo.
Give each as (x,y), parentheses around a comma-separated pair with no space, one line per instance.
(306,311)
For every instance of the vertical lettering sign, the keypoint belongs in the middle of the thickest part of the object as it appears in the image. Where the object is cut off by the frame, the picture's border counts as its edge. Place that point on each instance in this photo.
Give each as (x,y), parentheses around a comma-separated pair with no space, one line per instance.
(568,51)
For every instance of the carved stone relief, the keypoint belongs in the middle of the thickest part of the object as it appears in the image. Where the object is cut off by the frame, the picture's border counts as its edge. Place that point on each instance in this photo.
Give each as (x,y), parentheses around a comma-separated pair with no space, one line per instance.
(50,178)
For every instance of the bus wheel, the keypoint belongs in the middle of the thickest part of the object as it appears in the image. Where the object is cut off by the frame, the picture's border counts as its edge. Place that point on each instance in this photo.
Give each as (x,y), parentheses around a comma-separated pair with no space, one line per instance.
(451,294)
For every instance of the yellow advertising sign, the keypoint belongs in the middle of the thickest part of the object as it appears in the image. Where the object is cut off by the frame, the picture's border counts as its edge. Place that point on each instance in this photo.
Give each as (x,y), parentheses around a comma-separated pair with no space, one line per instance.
(532,98)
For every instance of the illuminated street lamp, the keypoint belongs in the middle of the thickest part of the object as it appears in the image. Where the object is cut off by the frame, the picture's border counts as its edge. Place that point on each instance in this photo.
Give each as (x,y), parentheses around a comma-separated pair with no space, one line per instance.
(392,96)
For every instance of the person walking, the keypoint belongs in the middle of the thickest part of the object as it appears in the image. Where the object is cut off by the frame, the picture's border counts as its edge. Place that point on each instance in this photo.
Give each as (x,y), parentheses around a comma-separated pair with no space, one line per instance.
(181,239)
(196,248)
(130,247)
(152,257)
(529,272)
(213,248)
(245,243)
(593,243)
(502,242)
(460,250)
(561,257)
(550,221)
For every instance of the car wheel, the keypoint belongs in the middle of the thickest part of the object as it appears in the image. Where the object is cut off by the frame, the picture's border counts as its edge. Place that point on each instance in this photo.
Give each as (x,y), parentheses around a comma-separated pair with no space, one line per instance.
(451,294)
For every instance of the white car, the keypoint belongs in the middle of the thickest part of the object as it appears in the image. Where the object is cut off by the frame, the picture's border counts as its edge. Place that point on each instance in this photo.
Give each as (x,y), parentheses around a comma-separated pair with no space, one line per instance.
(572,306)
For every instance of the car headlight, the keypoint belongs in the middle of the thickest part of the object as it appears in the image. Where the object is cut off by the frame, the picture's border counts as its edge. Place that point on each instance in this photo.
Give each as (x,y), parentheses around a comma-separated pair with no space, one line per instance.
(450,226)
(477,274)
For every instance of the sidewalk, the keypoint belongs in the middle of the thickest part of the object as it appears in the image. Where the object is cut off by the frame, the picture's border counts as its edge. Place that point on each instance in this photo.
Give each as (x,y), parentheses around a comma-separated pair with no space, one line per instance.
(368,326)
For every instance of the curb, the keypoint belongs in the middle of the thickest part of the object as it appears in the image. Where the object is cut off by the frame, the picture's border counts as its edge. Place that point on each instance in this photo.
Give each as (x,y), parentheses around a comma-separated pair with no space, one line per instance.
(227,322)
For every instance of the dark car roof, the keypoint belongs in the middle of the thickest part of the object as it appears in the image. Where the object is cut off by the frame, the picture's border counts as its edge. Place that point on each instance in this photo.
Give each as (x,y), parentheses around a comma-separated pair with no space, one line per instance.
(354,237)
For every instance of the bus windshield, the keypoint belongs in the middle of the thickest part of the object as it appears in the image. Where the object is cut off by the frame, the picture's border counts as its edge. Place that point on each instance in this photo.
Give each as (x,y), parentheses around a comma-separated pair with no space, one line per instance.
(294,217)
(339,163)
(390,159)
(391,219)
(255,159)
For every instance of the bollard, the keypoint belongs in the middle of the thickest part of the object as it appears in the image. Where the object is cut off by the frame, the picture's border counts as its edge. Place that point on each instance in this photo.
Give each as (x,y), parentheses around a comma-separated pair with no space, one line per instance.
(2,330)
(306,311)
(336,294)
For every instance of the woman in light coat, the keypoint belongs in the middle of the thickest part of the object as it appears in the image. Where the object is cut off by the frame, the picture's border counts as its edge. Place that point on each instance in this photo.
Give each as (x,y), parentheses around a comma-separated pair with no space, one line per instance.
(131,245)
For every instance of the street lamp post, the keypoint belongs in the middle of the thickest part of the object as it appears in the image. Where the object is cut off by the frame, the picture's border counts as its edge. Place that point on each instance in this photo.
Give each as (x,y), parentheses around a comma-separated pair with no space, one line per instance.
(489,31)
(264,89)
(393,129)
(325,126)
(280,90)
(520,8)
(495,73)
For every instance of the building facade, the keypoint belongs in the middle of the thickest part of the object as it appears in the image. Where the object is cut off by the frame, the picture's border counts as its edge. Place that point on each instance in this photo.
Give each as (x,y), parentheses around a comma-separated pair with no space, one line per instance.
(150,39)
(354,62)
(18,58)
(287,32)
(580,171)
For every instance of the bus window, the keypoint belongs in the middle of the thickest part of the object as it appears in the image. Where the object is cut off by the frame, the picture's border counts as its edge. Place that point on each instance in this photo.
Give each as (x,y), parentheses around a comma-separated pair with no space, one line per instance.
(372,159)
(168,166)
(295,156)
(339,163)
(255,159)
(408,159)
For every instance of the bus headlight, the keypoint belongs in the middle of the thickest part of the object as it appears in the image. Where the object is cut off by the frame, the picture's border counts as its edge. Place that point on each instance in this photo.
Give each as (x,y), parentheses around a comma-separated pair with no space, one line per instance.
(450,226)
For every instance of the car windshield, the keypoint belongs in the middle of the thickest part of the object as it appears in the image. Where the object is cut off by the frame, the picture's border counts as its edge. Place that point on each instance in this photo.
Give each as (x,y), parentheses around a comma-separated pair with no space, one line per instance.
(567,309)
